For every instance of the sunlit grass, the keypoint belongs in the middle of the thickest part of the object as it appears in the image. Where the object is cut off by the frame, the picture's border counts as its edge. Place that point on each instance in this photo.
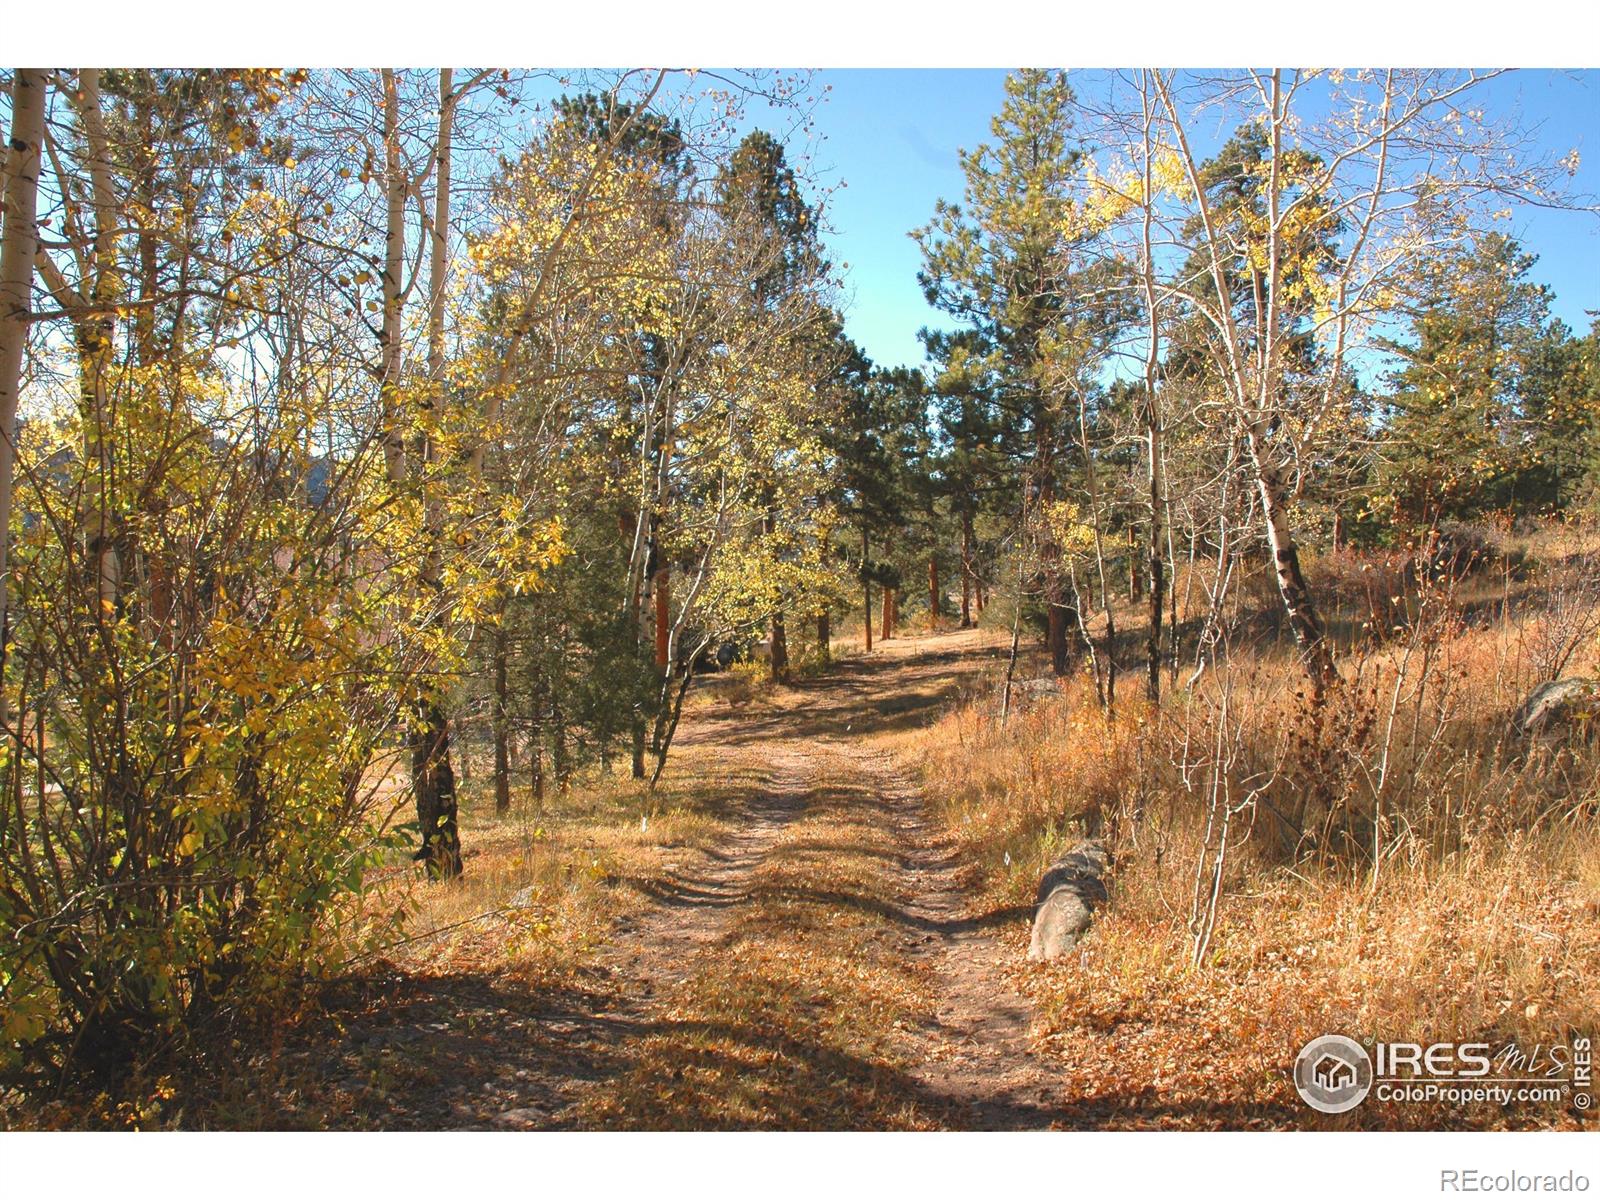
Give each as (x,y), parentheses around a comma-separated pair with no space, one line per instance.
(1479,925)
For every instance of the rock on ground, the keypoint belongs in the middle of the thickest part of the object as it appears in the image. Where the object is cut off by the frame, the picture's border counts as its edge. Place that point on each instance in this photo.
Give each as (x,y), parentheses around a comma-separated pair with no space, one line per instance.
(1553,708)
(1068,895)
(1025,693)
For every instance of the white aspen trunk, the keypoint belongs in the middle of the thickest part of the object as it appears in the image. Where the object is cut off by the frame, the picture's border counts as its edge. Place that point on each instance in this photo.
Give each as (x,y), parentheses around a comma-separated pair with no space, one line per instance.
(433,774)
(1109,693)
(646,564)
(438,257)
(438,284)
(669,710)
(394,250)
(19,244)
(1304,622)
(1154,448)
(1255,387)
(1275,493)
(95,332)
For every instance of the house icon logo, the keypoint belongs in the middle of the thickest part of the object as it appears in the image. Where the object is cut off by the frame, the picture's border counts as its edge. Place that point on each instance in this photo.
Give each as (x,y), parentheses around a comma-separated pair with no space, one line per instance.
(1333,1073)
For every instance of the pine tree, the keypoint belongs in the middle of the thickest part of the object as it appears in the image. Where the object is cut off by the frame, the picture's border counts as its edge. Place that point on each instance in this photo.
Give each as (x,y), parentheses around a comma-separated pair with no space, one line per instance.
(1480,387)
(995,264)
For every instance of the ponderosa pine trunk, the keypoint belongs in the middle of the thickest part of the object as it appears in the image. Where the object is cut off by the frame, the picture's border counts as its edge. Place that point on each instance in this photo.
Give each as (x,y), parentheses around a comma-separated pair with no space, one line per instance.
(866,592)
(434,782)
(780,649)
(663,619)
(1056,630)
(966,568)
(824,636)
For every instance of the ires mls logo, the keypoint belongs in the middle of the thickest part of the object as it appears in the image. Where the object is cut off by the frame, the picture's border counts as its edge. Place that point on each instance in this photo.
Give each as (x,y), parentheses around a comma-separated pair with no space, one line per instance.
(1333,1073)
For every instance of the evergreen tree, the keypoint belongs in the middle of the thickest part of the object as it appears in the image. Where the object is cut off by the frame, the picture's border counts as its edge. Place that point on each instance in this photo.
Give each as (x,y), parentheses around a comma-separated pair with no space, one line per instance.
(994,263)
(1479,419)
(971,465)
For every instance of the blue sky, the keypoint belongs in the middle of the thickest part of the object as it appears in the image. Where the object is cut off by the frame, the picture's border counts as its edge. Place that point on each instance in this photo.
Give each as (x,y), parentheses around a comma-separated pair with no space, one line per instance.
(891,137)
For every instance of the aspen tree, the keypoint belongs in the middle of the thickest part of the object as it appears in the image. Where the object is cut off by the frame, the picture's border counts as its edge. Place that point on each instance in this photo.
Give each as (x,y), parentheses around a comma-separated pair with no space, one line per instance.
(19,246)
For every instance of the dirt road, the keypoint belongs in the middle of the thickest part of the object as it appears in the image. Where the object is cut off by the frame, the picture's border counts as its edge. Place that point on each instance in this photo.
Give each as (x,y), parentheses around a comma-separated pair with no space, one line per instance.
(822,967)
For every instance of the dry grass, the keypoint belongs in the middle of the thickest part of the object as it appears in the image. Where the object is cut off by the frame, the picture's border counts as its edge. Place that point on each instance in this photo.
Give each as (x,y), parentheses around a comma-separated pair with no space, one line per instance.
(1479,923)
(1494,946)
(1013,794)
(561,863)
